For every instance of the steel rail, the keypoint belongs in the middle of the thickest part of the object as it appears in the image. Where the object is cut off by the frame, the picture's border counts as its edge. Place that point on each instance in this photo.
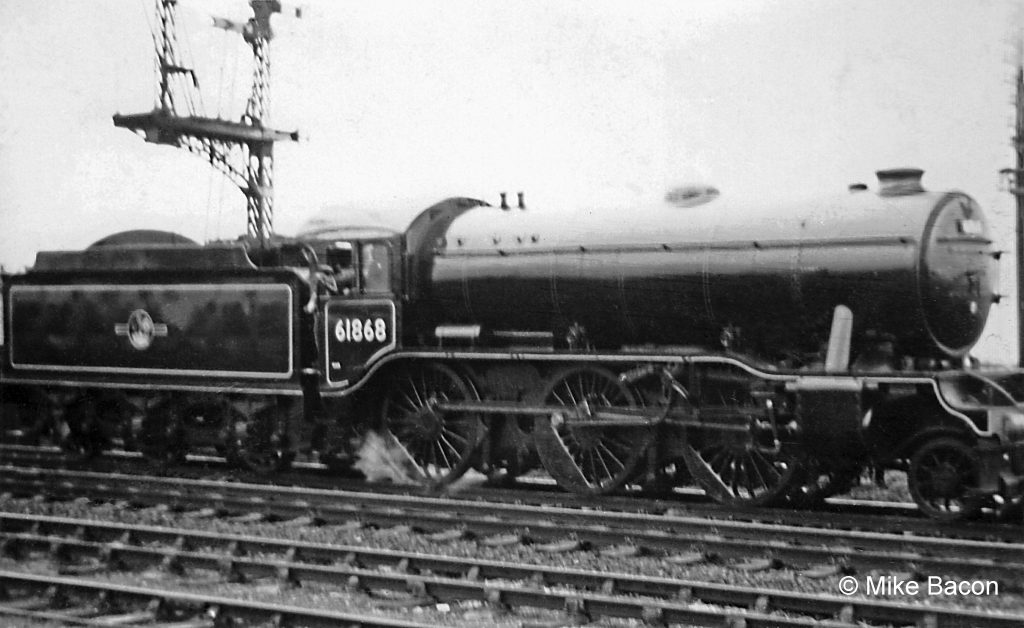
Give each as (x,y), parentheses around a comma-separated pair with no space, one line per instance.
(836,514)
(701,539)
(577,607)
(117,546)
(326,502)
(36,589)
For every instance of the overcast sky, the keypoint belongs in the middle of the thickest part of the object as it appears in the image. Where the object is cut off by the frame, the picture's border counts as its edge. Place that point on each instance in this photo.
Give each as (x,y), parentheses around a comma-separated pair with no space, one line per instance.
(571,101)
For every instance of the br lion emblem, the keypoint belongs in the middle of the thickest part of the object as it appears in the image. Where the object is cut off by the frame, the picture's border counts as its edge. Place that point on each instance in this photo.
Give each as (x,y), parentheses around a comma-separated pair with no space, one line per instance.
(140,329)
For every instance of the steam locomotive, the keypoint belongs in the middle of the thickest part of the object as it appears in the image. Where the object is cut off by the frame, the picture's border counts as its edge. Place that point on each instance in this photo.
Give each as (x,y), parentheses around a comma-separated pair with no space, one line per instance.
(765,353)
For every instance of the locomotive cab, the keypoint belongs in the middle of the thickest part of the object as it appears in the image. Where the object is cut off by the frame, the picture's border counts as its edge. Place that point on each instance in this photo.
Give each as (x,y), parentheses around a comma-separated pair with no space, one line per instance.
(359,311)
(361,266)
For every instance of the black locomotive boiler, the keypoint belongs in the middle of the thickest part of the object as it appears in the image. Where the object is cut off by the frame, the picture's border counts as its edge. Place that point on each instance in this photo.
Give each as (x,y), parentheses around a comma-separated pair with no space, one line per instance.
(765,352)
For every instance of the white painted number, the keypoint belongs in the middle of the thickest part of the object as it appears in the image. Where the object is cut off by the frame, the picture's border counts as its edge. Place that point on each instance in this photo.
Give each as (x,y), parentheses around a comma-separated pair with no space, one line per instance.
(355,330)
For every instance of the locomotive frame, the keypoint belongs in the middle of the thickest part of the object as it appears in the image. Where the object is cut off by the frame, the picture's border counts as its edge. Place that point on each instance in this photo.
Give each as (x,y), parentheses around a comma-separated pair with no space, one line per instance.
(375,342)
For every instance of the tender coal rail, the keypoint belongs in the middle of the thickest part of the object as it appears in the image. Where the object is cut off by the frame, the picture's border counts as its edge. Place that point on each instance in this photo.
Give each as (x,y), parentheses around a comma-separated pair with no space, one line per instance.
(747,546)
(87,546)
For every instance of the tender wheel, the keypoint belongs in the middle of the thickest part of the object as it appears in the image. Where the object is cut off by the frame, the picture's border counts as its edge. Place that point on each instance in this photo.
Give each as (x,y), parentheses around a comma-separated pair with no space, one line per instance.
(25,415)
(336,443)
(589,459)
(208,422)
(260,444)
(162,439)
(433,447)
(942,473)
(740,468)
(79,433)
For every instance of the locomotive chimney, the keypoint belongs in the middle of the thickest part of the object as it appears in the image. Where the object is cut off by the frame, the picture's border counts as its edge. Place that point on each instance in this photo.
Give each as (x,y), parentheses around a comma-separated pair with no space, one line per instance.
(504,200)
(899,181)
(522,202)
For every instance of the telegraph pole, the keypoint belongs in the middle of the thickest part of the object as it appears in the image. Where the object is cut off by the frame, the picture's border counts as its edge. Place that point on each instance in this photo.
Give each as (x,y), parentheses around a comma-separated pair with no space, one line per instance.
(1018,193)
(1016,186)
(243,150)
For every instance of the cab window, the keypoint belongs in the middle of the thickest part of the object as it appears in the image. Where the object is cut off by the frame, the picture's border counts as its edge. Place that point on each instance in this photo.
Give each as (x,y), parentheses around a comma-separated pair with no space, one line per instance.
(376,267)
(339,258)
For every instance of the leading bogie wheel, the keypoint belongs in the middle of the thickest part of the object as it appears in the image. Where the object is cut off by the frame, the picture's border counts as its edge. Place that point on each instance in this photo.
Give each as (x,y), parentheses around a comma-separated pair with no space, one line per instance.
(943,472)
(426,443)
(586,458)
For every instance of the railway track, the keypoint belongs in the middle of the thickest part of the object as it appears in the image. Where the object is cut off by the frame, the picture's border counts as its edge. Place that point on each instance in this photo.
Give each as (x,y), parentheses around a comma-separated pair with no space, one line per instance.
(744,546)
(836,513)
(84,546)
(80,602)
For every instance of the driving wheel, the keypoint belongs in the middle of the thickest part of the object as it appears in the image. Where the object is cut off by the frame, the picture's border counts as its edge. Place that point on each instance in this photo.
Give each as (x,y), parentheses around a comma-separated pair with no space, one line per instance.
(581,456)
(430,445)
